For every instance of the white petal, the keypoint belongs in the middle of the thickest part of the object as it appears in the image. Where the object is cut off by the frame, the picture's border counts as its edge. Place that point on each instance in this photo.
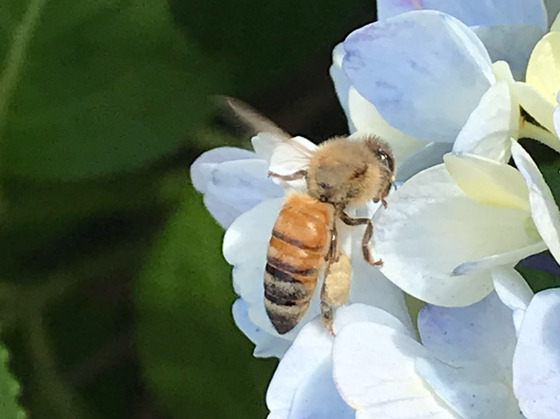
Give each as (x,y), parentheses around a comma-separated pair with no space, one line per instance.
(370,286)
(366,118)
(489,262)
(426,157)
(363,313)
(536,363)
(543,208)
(430,226)
(309,351)
(490,126)
(511,288)
(534,103)
(266,345)
(513,291)
(373,368)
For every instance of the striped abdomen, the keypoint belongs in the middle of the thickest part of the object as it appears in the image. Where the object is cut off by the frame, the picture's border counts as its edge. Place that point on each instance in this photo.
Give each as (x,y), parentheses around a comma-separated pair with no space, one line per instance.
(299,242)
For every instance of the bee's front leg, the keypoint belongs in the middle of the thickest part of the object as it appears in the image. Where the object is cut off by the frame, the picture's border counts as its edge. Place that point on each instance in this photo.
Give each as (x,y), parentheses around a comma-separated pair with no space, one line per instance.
(293,176)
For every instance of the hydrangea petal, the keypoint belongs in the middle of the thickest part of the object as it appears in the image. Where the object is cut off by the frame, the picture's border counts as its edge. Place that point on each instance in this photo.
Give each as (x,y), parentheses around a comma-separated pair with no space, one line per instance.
(308,352)
(513,291)
(479,336)
(373,368)
(202,167)
(366,118)
(470,394)
(266,345)
(490,126)
(506,258)
(407,65)
(510,42)
(485,13)
(543,71)
(369,286)
(535,104)
(341,82)
(232,181)
(543,208)
(428,156)
(557,115)
(430,226)
(487,181)
(536,362)
(552,8)
(318,397)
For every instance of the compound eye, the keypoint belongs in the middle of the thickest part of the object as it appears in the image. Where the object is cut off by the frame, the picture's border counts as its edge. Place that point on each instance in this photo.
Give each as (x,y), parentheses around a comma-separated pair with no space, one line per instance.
(386,159)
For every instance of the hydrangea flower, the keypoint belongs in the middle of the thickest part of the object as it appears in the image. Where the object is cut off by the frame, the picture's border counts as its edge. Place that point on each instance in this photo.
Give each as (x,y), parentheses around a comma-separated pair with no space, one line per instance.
(462,365)
(424,76)
(446,228)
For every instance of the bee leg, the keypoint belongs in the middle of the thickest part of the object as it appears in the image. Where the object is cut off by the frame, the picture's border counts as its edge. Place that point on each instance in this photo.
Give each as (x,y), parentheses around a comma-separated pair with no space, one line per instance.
(346,219)
(333,245)
(294,176)
(334,291)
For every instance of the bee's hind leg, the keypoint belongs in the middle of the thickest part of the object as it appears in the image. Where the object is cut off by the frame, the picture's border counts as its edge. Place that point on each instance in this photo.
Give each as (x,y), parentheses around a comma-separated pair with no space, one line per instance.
(334,292)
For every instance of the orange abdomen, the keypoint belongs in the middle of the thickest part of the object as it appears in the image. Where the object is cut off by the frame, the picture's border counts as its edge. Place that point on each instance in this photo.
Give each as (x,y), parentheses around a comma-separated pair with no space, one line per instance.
(296,253)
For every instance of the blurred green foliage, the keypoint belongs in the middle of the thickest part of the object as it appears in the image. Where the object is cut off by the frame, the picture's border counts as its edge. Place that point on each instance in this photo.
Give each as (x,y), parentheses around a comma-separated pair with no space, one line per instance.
(115,301)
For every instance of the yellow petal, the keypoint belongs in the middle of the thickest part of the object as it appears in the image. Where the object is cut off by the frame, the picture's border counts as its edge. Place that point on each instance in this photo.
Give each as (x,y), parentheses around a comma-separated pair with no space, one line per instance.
(543,70)
(487,181)
(535,103)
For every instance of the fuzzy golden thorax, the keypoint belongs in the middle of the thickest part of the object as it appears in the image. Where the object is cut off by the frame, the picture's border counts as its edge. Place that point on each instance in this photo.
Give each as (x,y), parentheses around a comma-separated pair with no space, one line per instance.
(346,172)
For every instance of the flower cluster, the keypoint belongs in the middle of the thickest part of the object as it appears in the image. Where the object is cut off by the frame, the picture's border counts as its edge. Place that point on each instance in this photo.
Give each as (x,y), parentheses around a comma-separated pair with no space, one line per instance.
(452,86)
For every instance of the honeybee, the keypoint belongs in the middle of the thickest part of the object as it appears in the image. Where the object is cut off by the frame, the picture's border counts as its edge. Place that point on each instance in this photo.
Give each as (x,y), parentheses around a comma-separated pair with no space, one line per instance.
(339,174)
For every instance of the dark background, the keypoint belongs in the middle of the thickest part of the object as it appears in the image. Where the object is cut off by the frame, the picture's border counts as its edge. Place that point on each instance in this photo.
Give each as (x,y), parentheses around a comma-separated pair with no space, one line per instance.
(115,300)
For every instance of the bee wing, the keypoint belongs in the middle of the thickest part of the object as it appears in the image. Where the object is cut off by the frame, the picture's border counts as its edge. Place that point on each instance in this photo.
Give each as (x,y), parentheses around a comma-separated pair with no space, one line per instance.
(285,154)
(251,118)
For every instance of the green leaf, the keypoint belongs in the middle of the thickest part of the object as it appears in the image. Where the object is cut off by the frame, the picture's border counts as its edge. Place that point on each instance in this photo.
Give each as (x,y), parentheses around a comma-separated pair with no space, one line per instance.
(90,88)
(264,40)
(192,355)
(9,390)
(539,280)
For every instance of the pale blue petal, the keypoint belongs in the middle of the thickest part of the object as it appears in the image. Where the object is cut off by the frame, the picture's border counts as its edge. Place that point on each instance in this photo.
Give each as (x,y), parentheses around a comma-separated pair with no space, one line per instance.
(232,181)
(536,363)
(471,394)
(428,156)
(552,8)
(266,345)
(510,43)
(309,351)
(424,71)
(318,398)
(481,335)
(472,350)
(202,167)
(341,82)
(480,13)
